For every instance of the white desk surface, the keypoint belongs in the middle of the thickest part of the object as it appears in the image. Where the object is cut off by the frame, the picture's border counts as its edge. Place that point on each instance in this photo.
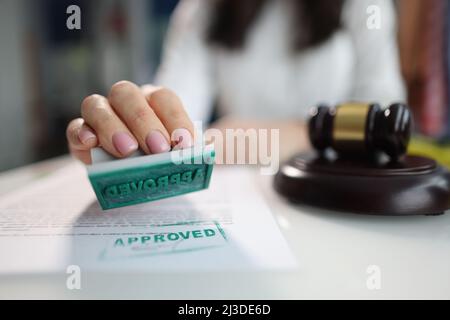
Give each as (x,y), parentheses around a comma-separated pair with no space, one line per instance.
(334,251)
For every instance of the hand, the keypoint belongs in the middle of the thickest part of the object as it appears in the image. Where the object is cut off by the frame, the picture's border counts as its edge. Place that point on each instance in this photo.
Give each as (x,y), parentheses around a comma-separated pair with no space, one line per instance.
(150,118)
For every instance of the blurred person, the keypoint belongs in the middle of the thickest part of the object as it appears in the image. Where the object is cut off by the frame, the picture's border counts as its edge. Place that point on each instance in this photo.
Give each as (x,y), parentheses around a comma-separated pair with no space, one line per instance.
(262,63)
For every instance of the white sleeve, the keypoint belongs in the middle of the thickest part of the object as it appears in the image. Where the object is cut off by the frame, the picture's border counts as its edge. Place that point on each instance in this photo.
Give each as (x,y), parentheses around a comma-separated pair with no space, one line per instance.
(377,74)
(187,66)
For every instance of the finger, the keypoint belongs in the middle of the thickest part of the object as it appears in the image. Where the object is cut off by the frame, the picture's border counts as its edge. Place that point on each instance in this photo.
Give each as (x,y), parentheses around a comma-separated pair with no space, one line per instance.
(82,155)
(81,139)
(130,104)
(112,133)
(80,136)
(169,109)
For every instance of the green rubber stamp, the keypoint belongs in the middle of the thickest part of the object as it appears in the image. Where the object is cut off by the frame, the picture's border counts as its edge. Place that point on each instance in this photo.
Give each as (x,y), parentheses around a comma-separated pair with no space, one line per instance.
(142,178)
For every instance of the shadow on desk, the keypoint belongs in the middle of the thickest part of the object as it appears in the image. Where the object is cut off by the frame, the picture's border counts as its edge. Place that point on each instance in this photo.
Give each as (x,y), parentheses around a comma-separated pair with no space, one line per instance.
(404,226)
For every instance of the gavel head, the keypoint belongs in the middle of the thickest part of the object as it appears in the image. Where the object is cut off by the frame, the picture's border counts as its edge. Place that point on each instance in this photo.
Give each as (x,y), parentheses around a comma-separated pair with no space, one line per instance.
(356,129)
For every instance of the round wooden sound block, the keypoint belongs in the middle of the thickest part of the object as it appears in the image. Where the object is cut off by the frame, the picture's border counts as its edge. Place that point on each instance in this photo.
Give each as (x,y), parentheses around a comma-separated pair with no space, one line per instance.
(413,186)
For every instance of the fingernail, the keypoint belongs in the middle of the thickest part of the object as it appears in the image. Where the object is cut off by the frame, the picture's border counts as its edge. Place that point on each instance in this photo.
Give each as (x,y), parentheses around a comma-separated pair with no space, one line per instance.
(181,138)
(156,142)
(85,135)
(123,143)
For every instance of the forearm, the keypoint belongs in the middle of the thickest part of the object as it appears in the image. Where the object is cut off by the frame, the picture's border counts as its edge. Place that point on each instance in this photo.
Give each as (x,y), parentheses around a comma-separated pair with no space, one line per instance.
(292,134)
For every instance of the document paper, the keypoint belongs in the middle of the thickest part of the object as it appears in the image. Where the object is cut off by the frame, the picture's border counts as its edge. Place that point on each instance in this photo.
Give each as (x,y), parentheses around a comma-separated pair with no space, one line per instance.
(56,221)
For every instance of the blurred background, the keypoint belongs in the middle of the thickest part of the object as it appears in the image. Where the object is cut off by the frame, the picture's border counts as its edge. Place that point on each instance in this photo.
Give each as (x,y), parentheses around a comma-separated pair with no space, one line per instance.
(47,69)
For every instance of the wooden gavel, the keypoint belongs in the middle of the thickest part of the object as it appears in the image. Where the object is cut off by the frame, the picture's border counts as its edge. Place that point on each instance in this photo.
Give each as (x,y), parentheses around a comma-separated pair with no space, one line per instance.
(358,129)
